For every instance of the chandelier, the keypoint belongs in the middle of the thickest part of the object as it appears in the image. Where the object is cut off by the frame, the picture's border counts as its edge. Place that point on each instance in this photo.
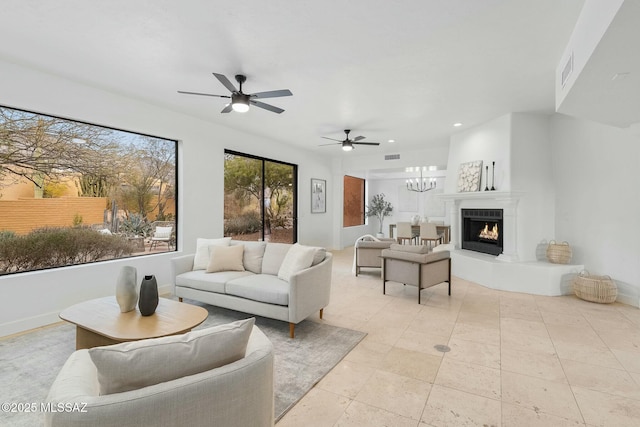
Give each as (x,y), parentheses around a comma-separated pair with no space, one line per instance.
(420,185)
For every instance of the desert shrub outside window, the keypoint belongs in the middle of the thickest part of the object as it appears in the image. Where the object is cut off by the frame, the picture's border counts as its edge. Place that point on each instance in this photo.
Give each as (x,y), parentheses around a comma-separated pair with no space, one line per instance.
(74,193)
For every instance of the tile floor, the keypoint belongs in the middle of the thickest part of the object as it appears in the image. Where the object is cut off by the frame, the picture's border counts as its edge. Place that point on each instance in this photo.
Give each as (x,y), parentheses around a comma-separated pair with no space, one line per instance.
(515,359)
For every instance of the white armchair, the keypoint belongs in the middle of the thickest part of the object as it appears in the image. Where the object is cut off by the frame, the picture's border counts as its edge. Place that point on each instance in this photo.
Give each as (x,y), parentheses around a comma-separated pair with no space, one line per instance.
(236,394)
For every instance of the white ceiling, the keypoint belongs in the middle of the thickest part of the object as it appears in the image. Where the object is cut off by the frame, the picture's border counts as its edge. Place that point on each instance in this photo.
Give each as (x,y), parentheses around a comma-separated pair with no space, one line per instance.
(388,69)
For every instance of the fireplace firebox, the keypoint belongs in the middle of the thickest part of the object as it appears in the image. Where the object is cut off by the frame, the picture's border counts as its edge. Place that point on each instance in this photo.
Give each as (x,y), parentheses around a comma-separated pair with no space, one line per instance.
(482,230)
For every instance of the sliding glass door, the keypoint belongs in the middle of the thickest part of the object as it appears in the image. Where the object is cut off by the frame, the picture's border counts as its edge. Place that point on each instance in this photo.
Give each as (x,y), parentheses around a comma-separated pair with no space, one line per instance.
(260,199)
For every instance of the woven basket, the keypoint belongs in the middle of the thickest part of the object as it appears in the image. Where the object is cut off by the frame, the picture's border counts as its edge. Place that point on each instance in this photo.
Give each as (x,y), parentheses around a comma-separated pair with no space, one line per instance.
(601,289)
(559,253)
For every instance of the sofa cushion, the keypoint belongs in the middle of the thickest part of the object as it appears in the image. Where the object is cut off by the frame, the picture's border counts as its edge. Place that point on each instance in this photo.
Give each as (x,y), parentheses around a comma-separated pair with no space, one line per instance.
(137,364)
(253,254)
(297,259)
(319,255)
(225,258)
(201,259)
(211,282)
(274,254)
(260,287)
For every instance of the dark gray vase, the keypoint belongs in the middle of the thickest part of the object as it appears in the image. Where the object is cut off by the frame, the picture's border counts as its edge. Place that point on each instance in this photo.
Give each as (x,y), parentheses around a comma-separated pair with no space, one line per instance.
(148,301)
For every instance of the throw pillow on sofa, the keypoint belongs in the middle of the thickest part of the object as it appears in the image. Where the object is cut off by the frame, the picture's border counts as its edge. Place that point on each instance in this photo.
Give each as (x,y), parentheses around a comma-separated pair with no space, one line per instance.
(137,364)
(225,258)
(297,259)
(201,259)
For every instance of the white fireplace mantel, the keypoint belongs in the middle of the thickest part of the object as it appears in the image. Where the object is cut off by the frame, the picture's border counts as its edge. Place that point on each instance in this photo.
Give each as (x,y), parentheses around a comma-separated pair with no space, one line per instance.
(505,200)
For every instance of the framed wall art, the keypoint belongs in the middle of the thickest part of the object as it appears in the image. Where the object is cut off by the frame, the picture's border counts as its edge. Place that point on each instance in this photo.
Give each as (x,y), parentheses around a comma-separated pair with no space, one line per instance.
(469,176)
(318,195)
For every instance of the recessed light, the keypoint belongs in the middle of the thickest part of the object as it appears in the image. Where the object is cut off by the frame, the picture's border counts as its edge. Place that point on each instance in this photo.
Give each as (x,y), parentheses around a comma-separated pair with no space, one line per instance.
(457,124)
(391,141)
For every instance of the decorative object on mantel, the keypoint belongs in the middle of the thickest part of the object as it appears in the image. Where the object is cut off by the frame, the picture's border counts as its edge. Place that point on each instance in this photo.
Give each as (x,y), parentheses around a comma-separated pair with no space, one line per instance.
(420,185)
(380,208)
(148,296)
(600,289)
(126,292)
(559,253)
(415,220)
(469,176)
(486,179)
(493,176)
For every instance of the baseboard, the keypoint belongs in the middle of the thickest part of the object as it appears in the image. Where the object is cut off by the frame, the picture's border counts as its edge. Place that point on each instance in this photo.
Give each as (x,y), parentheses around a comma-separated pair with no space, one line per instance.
(22,325)
(26,324)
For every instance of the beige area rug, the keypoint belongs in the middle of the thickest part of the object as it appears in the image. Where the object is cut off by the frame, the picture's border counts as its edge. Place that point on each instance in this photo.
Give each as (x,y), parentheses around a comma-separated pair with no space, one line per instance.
(30,362)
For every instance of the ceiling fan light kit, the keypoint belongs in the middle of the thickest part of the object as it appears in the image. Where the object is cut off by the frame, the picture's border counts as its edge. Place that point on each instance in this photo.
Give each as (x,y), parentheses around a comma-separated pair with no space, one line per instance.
(240,101)
(348,144)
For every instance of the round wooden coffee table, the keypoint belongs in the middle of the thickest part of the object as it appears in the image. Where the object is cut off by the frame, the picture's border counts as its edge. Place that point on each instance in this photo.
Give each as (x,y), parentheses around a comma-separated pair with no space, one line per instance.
(100,322)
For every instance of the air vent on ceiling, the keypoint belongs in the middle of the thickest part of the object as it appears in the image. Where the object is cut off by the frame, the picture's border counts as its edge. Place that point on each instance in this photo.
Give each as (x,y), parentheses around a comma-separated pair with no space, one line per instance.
(392,157)
(568,68)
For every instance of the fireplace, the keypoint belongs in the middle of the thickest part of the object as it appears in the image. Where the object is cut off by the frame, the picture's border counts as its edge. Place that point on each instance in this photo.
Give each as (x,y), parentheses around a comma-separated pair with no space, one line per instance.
(482,230)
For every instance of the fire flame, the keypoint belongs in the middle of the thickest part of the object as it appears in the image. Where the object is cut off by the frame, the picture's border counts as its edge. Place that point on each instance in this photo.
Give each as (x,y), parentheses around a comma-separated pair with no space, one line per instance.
(489,234)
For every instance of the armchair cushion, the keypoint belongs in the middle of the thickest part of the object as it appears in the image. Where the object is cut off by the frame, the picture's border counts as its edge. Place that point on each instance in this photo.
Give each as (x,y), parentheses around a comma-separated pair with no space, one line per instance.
(414,249)
(162,233)
(138,364)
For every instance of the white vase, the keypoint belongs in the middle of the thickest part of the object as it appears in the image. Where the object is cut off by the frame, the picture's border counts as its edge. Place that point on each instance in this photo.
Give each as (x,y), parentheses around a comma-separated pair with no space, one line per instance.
(415,220)
(380,235)
(126,292)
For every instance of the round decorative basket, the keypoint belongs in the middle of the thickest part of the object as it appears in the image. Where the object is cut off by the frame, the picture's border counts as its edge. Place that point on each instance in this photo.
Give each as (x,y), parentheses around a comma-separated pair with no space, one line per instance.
(601,289)
(559,253)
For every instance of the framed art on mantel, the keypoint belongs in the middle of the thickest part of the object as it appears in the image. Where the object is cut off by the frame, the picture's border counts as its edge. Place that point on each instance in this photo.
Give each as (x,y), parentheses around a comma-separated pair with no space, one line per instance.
(318,195)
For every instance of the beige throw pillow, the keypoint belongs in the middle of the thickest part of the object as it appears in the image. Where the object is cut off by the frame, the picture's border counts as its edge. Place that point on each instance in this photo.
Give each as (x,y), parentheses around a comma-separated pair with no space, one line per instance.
(297,259)
(225,258)
(201,259)
(137,364)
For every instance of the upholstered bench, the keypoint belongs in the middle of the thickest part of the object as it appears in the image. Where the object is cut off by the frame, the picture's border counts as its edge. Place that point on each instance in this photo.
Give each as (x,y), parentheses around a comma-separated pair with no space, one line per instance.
(414,265)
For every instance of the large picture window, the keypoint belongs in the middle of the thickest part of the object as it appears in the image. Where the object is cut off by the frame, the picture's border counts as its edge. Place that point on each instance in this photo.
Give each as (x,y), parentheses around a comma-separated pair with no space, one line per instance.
(73,193)
(259,198)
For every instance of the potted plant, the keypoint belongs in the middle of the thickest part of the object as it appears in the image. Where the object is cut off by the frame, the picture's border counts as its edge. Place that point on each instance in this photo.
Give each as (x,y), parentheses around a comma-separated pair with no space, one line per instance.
(380,208)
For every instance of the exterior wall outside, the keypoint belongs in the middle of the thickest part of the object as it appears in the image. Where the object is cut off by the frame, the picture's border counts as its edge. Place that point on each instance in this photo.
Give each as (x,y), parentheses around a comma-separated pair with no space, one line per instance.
(24,215)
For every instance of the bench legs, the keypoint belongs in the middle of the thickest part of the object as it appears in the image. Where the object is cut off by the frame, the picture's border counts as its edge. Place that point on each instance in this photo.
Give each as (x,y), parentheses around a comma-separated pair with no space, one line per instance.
(180,299)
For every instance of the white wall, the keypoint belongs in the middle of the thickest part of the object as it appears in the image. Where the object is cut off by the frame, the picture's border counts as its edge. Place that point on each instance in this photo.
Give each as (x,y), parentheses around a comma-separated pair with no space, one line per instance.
(595,170)
(33,299)
(532,175)
(595,17)
(489,142)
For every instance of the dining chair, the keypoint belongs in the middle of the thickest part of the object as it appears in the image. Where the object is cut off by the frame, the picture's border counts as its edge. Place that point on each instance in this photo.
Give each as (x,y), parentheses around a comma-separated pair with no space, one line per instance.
(429,235)
(404,232)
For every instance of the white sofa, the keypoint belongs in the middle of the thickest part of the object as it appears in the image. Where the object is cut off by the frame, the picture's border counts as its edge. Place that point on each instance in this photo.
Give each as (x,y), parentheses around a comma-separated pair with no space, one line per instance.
(258,290)
(236,394)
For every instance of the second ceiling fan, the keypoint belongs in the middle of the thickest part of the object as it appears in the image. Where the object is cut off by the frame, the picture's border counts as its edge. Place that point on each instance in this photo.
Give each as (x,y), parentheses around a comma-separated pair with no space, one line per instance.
(347,144)
(239,100)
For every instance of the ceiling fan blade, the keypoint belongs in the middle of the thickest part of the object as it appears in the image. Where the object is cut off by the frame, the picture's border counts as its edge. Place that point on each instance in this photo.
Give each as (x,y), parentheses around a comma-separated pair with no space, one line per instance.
(203,94)
(267,106)
(338,143)
(225,81)
(332,139)
(227,109)
(272,94)
(366,143)
(358,138)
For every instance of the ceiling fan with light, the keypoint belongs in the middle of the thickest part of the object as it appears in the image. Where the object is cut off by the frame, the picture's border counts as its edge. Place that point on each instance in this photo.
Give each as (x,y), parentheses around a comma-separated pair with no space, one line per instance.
(347,144)
(240,101)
